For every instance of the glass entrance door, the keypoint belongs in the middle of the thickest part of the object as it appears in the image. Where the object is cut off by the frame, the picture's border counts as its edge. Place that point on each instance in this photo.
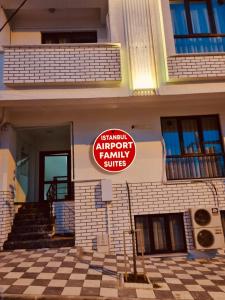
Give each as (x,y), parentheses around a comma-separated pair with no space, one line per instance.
(162,233)
(55,169)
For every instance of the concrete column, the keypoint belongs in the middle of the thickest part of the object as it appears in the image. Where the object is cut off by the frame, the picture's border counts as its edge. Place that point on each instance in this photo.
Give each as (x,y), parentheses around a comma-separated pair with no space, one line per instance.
(7,182)
(138,29)
(117,35)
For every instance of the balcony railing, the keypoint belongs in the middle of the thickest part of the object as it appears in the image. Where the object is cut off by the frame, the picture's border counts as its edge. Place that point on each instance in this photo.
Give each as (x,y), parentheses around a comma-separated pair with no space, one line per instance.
(195,166)
(198,43)
(62,64)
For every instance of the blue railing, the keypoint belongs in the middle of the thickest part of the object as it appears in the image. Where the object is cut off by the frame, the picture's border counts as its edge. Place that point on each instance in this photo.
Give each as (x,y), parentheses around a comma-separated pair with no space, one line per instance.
(201,44)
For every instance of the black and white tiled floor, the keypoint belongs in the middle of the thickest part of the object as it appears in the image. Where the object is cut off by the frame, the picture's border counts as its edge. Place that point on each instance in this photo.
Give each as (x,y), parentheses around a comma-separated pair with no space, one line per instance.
(62,272)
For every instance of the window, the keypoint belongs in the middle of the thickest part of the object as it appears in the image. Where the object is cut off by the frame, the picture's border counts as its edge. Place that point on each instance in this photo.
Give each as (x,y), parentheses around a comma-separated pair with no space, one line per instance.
(222,214)
(194,147)
(162,233)
(198,25)
(69,37)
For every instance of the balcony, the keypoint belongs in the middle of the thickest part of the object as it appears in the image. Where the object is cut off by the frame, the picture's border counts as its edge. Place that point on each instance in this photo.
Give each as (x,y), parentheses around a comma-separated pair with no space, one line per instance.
(62,64)
(192,66)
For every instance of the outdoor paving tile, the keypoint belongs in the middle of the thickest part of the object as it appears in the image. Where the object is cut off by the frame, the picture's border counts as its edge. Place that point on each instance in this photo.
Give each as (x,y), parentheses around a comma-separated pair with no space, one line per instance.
(78,276)
(65,270)
(91,283)
(6,269)
(46,275)
(53,264)
(194,288)
(71,291)
(90,291)
(76,283)
(222,287)
(68,264)
(62,276)
(201,295)
(23,281)
(25,264)
(13,275)
(80,271)
(108,292)
(127,292)
(57,283)
(173,280)
(204,282)
(176,287)
(212,288)
(163,294)
(217,295)
(40,282)
(56,291)
(29,275)
(20,269)
(145,293)
(39,264)
(50,270)
(108,284)
(93,277)
(3,288)
(81,266)
(35,270)
(15,289)
(184,295)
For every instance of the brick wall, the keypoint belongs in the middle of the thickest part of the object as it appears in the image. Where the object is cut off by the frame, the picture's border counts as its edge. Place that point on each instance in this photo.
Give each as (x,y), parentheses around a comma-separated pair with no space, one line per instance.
(62,64)
(90,214)
(147,198)
(6,215)
(64,212)
(200,66)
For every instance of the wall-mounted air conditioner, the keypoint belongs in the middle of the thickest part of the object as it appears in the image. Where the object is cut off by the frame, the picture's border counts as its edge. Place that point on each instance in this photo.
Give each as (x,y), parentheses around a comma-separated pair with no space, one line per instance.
(207,228)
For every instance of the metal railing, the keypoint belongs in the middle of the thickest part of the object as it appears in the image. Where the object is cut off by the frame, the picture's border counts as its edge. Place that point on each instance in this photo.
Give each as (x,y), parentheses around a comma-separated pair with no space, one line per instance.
(59,189)
(195,166)
(195,43)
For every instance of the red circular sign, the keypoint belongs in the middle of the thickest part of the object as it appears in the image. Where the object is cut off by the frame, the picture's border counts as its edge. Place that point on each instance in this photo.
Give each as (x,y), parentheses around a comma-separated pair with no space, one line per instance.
(114,150)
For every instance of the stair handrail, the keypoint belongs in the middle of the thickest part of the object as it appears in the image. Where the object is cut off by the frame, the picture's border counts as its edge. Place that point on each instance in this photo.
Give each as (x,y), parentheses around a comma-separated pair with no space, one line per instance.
(51,197)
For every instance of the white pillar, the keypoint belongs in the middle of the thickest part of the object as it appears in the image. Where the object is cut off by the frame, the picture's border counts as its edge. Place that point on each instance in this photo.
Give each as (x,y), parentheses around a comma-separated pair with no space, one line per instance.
(138,28)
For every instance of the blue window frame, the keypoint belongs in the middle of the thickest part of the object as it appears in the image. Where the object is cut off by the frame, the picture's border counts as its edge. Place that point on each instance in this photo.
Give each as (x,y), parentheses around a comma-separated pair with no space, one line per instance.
(198,25)
(194,147)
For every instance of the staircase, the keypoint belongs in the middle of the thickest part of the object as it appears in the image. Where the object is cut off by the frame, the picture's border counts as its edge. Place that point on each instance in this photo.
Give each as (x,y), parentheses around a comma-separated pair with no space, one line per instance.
(33,228)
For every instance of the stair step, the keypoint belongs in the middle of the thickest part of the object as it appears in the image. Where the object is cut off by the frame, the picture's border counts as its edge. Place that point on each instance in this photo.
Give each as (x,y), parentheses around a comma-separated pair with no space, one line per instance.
(32,209)
(32,228)
(42,243)
(27,236)
(31,216)
(28,222)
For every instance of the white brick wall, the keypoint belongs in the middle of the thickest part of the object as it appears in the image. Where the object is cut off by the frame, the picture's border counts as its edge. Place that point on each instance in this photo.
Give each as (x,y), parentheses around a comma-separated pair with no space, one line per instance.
(64,213)
(61,64)
(190,66)
(6,215)
(147,198)
(90,214)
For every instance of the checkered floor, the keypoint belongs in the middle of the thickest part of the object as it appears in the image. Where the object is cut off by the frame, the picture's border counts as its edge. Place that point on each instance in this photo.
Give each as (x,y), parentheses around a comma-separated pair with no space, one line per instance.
(63,272)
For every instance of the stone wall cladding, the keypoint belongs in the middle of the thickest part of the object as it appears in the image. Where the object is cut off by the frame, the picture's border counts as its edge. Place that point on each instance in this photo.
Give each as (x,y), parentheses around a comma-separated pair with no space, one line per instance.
(6,215)
(190,66)
(147,198)
(64,213)
(62,64)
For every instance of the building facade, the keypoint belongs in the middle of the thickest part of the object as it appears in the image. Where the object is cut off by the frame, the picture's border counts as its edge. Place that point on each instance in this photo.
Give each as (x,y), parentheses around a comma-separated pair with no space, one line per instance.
(155,69)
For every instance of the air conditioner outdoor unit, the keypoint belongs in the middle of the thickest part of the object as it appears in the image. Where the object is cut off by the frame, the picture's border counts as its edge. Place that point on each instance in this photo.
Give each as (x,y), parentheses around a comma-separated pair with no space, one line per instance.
(207,228)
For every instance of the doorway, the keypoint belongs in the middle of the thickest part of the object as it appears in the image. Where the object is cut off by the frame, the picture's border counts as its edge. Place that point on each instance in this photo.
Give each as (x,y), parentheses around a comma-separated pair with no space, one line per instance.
(55,169)
(162,233)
